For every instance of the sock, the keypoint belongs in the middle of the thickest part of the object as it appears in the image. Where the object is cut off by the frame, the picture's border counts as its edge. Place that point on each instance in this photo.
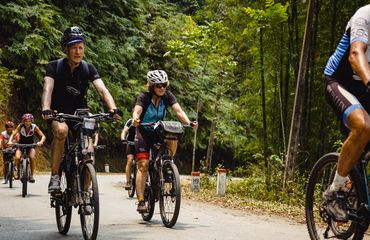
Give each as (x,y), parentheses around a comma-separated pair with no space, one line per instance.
(141,198)
(338,182)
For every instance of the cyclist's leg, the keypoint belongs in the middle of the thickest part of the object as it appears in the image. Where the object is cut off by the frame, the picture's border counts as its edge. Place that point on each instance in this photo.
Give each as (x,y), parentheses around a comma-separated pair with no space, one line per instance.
(172,147)
(142,174)
(17,157)
(60,133)
(142,154)
(130,157)
(357,120)
(31,154)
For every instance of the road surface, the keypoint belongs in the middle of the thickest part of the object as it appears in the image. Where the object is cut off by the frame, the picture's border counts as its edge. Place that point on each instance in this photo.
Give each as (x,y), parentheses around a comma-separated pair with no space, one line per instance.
(31,218)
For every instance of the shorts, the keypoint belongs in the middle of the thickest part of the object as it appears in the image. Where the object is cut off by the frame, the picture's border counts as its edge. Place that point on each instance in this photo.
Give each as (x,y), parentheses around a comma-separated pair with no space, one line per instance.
(144,140)
(342,100)
(130,149)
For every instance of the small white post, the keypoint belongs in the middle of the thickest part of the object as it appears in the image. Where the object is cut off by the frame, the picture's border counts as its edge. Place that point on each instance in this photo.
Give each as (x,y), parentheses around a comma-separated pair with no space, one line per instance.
(195,181)
(106,167)
(221,182)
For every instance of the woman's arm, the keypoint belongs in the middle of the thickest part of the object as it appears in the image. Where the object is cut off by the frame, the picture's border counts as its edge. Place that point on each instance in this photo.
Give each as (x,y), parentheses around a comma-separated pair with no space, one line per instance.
(41,135)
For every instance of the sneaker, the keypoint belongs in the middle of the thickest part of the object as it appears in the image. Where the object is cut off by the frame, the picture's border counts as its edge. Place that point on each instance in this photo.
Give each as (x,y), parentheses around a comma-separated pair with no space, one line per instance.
(128,186)
(4,181)
(335,205)
(141,208)
(54,184)
(32,179)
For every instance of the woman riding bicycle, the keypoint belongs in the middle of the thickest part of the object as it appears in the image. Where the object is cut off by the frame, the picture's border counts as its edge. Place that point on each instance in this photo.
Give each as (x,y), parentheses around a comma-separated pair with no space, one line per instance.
(27,130)
(4,139)
(151,106)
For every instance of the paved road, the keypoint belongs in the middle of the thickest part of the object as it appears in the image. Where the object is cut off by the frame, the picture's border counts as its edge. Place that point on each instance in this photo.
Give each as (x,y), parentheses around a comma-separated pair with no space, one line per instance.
(31,218)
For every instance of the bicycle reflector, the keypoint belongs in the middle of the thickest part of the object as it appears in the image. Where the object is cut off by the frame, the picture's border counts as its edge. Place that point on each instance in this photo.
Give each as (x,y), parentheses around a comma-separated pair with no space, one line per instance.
(88,123)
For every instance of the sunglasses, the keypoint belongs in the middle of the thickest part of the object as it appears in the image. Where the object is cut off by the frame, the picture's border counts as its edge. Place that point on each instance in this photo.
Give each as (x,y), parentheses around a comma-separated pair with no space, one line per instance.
(160,85)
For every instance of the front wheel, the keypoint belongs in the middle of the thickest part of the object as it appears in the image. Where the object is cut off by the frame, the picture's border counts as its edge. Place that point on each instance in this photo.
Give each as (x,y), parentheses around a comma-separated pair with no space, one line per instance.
(10,173)
(319,224)
(170,194)
(89,210)
(25,176)
(63,210)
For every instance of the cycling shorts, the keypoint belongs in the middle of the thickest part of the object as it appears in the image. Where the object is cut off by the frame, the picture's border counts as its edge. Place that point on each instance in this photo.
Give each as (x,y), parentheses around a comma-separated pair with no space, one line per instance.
(144,140)
(130,149)
(342,100)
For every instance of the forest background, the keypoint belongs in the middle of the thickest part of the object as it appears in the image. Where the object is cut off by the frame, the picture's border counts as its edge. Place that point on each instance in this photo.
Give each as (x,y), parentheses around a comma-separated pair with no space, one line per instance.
(232,65)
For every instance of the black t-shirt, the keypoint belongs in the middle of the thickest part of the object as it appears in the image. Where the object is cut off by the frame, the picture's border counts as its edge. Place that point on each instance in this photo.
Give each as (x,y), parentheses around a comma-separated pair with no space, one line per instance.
(70,89)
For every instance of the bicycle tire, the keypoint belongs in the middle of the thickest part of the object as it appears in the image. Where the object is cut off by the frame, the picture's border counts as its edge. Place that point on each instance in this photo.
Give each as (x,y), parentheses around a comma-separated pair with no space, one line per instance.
(170,194)
(10,174)
(319,224)
(89,221)
(149,200)
(25,176)
(63,211)
(131,192)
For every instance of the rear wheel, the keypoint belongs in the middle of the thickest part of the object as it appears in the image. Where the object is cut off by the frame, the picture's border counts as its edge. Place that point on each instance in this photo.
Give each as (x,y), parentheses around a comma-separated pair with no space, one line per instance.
(63,211)
(170,195)
(25,176)
(320,225)
(131,192)
(89,211)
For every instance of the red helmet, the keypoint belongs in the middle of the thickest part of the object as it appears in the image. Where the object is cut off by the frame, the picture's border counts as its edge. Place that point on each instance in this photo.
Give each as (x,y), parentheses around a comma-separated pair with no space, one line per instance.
(9,124)
(27,116)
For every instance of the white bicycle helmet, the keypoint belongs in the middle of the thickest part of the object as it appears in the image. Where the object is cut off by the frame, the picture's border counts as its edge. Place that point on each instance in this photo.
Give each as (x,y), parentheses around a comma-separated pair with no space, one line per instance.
(157,77)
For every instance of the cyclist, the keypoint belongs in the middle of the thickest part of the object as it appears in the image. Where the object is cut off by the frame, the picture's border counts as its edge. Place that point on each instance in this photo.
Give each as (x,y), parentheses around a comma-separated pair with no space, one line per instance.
(27,130)
(347,78)
(128,137)
(151,107)
(4,139)
(65,88)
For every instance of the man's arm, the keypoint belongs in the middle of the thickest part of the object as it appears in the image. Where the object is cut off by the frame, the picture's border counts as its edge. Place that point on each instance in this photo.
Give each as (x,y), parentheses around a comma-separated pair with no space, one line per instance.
(47,93)
(104,94)
(358,61)
(46,97)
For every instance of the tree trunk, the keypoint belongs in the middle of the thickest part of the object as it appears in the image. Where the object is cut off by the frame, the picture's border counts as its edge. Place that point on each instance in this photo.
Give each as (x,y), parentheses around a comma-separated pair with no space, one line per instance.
(295,125)
(263,98)
(213,129)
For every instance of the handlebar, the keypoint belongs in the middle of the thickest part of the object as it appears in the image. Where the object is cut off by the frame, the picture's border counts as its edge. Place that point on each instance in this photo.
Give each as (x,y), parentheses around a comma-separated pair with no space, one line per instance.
(153,124)
(63,117)
(20,145)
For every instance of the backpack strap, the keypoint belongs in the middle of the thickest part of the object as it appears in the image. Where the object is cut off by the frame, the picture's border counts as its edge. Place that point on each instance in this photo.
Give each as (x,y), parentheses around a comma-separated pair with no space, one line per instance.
(85,68)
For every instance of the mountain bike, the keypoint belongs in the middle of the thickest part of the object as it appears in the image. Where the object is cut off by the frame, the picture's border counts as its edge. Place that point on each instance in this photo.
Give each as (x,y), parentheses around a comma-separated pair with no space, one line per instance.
(24,170)
(163,182)
(78,182)
(319,223)
(132,180)
(9,165)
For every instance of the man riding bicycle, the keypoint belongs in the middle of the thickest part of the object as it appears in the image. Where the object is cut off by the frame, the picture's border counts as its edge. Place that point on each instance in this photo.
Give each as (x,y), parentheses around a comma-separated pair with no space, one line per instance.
(4,139)
(128,137)
(151,106)
(65,88)
(347,78)
(27,130)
